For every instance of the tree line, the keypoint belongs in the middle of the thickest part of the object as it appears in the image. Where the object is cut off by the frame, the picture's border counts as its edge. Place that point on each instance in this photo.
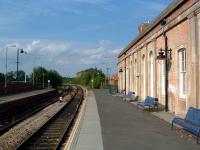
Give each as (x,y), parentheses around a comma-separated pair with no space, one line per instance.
(38,76)
(92,78)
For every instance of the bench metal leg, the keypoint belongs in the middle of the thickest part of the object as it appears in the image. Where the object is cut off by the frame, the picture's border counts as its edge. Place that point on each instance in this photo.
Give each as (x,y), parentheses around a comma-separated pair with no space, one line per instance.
(172,126)
(143,108)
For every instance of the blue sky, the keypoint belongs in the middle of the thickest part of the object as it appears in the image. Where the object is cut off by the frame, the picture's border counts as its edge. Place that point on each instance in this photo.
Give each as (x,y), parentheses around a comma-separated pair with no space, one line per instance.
(71,35)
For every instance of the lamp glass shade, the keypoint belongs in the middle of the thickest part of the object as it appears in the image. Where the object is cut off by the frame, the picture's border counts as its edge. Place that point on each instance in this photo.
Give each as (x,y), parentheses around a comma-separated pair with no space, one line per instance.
(161,56)
(120,70)
(21,51)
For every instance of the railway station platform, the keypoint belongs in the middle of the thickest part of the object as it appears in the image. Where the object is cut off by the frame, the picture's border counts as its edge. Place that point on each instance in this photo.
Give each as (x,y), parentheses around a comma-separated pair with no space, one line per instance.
(112,124)
(18,96)
(90,137)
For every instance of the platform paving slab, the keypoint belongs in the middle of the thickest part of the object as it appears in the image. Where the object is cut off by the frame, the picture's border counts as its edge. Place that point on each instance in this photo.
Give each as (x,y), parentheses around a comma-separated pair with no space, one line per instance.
(166,116)
(90,137)
(124,127)
(22,95)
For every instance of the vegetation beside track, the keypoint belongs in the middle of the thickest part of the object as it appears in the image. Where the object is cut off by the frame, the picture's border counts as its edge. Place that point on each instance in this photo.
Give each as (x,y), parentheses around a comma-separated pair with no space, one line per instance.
(92,78)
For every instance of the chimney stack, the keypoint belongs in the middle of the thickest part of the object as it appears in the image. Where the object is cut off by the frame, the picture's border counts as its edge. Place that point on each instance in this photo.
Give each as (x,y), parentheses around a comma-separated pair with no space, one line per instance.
(143,26)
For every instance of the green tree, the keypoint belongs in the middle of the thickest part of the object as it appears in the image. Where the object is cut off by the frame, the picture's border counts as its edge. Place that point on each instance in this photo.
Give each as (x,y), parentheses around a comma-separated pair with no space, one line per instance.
(69,80)
(99,79)
(85,78)
(54,77)
(11,76)
(2,78)
(95,75)
(21,75)
(38,75)
(41,74)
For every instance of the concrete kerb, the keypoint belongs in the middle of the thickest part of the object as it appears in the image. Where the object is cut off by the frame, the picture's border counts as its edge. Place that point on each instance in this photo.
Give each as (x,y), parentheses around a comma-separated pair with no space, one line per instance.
(73,138)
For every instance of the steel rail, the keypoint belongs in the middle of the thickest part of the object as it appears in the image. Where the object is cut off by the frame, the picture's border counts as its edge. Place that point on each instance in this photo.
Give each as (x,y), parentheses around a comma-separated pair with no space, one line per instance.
(52,133)
(5,127)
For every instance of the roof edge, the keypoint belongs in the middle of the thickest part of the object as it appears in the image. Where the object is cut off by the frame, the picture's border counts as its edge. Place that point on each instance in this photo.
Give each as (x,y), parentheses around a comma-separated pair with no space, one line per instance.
(170,8)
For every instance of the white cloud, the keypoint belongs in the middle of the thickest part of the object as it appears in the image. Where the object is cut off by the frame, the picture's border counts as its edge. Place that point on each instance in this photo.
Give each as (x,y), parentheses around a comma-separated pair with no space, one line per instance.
(33,45)
(116,51)
(61,62)
(46,46)
(88,52)
(59,55)
(91,56)
(55,48)
(104,42)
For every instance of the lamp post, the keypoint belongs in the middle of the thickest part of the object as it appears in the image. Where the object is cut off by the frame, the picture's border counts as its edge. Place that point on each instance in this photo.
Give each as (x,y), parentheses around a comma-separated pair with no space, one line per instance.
(163,55)
(92,83)
(125,76)
(7,65)
(120,71)
(107,80)
(43,79)
(19,50)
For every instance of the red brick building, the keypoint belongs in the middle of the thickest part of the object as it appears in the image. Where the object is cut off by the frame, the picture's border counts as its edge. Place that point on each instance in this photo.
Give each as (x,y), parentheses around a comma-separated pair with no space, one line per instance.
(177,29)
(113,80)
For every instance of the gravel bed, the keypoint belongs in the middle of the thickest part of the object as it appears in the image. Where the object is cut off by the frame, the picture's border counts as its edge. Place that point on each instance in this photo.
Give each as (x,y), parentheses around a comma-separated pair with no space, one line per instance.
(16,135)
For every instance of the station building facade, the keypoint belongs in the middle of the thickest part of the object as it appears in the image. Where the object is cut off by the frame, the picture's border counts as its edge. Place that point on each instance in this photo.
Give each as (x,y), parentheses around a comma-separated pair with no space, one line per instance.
(142,73)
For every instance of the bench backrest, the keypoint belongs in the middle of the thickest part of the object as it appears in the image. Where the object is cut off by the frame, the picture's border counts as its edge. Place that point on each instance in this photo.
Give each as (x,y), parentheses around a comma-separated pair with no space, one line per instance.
(130,93)
(193,116)
(149,100)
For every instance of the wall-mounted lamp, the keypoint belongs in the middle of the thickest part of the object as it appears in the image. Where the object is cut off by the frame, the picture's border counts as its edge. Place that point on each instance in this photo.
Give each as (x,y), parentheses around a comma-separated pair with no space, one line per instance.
(120,70)
(21,51)
(162,56)
(163,22)
(137,74)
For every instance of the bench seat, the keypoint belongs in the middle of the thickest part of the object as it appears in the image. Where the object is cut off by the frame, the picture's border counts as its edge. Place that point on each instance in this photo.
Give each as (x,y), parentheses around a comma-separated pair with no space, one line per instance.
(187,125)
(129,96)
(191,122)
(148,102)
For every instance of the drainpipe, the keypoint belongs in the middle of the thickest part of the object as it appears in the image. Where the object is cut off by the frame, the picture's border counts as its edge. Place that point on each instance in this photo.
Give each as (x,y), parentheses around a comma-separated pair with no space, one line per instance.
(166,69)
(125,77)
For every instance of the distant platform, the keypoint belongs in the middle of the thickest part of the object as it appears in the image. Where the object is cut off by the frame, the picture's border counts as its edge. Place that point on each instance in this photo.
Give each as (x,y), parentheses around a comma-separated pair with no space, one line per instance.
(5,99)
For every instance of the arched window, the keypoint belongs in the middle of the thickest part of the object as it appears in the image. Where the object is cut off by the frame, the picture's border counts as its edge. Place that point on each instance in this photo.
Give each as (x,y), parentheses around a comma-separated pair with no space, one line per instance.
(163,74)
(135,75)
(144,75)
(151,73)
(131,76)
(182,72)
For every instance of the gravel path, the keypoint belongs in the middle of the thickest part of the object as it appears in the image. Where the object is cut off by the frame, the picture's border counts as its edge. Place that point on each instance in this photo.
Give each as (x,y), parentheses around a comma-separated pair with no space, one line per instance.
(16,135)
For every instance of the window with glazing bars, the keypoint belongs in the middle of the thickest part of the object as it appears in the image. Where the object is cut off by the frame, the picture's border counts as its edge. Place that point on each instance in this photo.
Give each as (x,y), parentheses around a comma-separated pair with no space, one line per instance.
(182,72)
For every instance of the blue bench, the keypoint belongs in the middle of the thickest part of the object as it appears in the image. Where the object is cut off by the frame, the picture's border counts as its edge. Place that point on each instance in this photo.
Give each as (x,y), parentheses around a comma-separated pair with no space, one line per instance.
(149,102)
(129,96)
(191,122)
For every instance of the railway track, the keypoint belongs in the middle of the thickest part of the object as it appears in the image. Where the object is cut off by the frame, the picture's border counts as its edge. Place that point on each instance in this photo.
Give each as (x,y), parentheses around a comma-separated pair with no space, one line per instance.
(7,123)
(51,135)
